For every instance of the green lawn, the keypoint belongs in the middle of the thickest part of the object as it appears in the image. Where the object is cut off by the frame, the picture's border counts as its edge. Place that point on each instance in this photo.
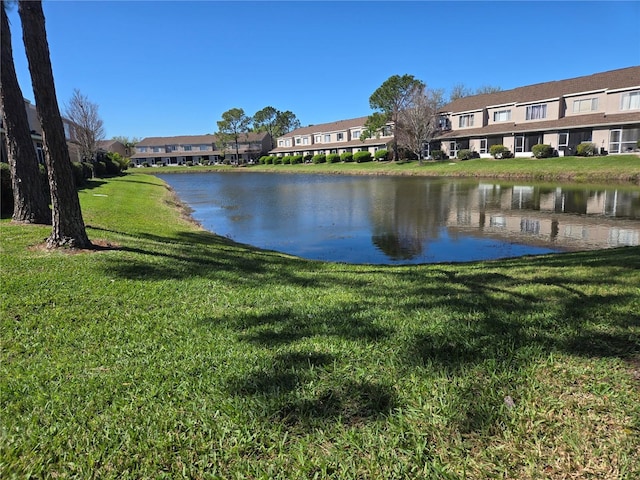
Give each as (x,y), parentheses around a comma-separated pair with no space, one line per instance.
(612,168)
(175,353)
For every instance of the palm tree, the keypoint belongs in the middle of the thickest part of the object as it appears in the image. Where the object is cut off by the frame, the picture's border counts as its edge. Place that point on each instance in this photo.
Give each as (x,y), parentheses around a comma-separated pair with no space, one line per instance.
(30,202)
(68,225)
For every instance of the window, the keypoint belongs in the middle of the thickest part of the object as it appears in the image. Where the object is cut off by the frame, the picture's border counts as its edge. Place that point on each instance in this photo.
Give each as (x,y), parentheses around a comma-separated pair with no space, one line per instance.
(465,121)
(318,138)
(502,116)
(287,142)
(187,148)
(386,131)
(519,142)
(340,137)
(204,148)
(630,101)
(67,131)
(536,112)
(156,149)
(623,140)
(298,141)
(281,143)
(585,105)
(355,134)
(483,145)
(305,141)
(327,137)
(141,149)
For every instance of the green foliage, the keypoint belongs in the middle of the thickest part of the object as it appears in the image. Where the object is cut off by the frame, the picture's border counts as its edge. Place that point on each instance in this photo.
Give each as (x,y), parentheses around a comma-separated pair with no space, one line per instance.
(499,151)
(307,158)
(333,158)
(6,189)
(439,155)
(381,155)
(466,154)
(263,159)
(586,149)
(319,158)
(119,159)
(189,163)
(100,169)
(296,159)
(277,160)
(346,157)
(362,157)
(542,151)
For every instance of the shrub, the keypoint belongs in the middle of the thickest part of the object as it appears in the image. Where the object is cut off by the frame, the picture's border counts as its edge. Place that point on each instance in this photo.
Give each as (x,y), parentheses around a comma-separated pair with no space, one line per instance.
(112,167)
(286,160)
(438,155)
(499,151)
(6,189)
(381,155)
(466,154)
(346,157)
(100,169)
(189,163)
(319,158)
(307,158)
(542,151)
(263,159)
(361,157)
(586,149)
(122,162)
(296,159)
(78,173)
(333,158)
(277,160)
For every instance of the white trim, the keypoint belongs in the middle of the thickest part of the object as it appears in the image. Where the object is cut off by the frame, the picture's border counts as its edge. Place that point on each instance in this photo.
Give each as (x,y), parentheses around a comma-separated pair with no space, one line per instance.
(537,101)
(623,89)
(567,95)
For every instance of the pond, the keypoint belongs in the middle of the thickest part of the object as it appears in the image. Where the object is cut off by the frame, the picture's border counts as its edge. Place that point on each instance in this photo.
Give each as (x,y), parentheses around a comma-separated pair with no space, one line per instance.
(407,220)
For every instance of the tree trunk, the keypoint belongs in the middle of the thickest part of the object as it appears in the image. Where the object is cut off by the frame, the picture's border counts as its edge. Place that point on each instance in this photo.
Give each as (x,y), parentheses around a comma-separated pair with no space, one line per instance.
(30,202)
(68,225)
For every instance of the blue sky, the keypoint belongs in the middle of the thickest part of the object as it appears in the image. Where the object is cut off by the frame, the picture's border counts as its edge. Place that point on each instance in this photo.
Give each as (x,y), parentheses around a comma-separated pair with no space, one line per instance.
(162,68)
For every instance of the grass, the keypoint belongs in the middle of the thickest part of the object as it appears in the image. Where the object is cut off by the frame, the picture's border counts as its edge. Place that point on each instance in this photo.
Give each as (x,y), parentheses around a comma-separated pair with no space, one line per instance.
(176,353)
(608,169)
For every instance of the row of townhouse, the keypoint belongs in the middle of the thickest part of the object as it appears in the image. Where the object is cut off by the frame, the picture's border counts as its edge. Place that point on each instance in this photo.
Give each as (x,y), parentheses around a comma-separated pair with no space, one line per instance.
(197,149)
(335,137)
(603,109)
(75,153)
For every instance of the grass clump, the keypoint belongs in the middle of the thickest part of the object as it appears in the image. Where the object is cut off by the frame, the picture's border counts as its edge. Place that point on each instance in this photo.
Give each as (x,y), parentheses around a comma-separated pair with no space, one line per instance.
(172,352)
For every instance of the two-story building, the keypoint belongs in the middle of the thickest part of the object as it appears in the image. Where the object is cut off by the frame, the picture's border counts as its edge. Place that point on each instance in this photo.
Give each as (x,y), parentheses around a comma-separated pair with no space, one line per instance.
(198,149)
(603,109)
(335,137)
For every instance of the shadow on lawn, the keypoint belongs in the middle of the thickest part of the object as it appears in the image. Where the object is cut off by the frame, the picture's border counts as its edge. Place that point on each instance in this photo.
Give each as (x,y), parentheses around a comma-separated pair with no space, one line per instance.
(491,318)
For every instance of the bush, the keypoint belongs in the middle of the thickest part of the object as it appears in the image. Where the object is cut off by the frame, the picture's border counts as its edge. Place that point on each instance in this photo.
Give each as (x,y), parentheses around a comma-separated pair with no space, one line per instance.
(439,155)
(333,158)
(499,151)
(100,169)
(542,151)
(307,158)
(263,159)
(361,157)
(586,149)
(319,158)
(112,167)
(189,163)
(296,159)
(6,189)
(78,174)
(122,162)
(286,160)
(466,154)
(346,157)
(277,160)
(381,155)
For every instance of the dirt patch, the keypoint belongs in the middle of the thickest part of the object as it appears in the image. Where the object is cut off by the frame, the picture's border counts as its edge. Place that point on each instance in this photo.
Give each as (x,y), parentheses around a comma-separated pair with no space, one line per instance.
(98,245)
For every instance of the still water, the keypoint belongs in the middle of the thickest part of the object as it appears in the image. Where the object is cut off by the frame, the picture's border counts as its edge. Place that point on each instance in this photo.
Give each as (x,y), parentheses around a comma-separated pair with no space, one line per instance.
(403,220)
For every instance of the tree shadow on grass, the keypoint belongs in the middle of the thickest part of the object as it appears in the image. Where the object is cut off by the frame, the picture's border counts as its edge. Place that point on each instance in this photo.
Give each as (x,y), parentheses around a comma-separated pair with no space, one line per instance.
(285,390)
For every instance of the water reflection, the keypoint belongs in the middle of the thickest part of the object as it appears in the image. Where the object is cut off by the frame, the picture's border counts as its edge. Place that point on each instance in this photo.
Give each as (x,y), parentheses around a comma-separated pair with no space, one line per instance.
(408,220)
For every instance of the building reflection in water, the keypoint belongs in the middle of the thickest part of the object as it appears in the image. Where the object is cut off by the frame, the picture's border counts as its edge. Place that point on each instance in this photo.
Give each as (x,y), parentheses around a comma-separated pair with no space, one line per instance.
(409,218)
(560,217)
